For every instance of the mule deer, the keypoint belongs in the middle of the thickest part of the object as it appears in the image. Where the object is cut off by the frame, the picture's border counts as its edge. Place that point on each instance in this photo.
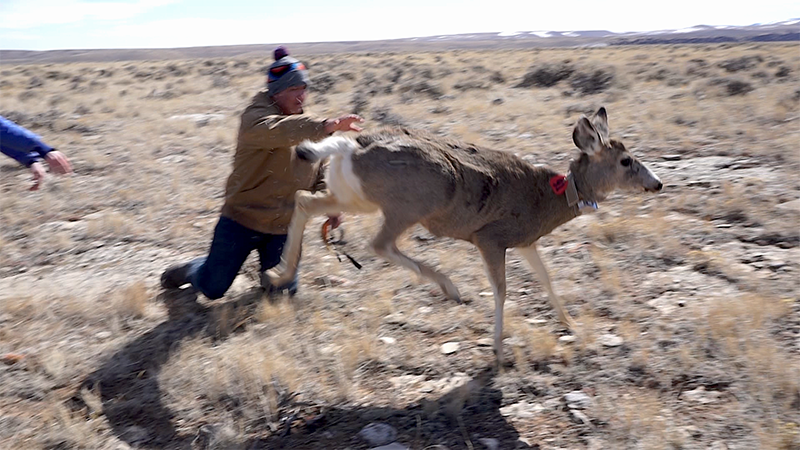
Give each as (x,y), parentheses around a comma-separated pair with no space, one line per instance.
(490,198)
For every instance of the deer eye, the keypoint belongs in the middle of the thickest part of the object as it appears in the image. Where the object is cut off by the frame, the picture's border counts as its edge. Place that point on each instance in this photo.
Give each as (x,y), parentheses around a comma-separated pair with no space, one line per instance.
(626,162)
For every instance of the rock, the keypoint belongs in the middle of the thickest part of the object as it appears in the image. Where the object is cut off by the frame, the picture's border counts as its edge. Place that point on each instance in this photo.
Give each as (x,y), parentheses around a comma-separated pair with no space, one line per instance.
(485,342)
(671,157)
(521,410)
(775,266)
(12,358)
(700,395)
(579,417)
(793,205)
(514,341)
(485,294)
(490,443)
(665,304)
(388,340)
(59,226)
(594,443)
(692,432)
(610,340)
(171,159)
(425,309)
(378,433)
(535,321)
(567,339)
(446,384)
(497,101)
(330,281)
(578,400)
(200,120)
(103,335)
(553,404)
(450,347)
(404,382)
(395,319)
(392,446)
(329,349)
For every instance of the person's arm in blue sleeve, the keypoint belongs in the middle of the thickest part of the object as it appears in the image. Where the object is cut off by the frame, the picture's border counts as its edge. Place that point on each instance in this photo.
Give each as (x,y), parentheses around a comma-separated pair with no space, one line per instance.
(21,144)
(28,148)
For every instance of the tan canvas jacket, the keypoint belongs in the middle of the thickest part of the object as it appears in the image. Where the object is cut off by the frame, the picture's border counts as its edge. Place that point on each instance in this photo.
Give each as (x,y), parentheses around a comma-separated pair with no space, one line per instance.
(266,174)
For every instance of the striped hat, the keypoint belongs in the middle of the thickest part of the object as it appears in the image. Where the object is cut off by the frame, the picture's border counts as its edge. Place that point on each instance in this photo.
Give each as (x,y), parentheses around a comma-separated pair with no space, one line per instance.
(286,72)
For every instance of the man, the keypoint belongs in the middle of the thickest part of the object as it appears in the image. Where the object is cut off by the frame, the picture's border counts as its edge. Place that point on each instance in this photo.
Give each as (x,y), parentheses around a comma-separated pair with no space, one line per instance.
(29,150)
(259,195)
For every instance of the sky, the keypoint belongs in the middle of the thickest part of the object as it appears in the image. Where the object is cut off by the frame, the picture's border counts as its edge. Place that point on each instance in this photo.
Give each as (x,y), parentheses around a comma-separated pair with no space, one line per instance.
(88,24)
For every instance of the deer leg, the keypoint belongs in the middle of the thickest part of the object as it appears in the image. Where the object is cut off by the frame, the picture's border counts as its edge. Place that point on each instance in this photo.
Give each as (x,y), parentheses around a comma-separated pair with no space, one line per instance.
(531,254)
(384,246)
(307,205)
(494,258)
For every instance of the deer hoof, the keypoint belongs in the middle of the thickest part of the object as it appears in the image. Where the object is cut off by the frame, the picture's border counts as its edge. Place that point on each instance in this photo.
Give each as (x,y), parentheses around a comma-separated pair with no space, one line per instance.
(569,322)
(274,278)
(450,291)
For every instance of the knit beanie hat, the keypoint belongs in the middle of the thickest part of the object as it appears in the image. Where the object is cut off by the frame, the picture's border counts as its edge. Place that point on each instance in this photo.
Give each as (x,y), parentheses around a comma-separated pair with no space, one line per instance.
(286,72)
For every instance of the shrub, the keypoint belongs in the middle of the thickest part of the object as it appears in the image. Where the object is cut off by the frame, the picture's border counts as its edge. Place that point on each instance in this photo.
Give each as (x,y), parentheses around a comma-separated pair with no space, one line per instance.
(546,76)
(592,82)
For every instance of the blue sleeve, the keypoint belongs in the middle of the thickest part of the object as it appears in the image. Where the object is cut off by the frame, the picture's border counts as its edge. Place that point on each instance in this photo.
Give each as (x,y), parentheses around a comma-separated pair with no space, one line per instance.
(21,144)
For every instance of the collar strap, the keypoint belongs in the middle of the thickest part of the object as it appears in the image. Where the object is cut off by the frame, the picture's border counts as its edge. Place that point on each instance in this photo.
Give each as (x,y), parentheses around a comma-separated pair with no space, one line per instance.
(565,184)
(572,191)
(561,184)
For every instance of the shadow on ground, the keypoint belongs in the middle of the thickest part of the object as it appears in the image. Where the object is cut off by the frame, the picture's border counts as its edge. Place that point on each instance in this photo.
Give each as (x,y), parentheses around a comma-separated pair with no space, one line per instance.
(128,385)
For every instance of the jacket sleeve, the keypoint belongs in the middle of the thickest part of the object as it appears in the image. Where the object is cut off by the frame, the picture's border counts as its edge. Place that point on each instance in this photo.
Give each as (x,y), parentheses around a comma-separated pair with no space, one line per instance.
(20,143)
(276,131)
(319,182)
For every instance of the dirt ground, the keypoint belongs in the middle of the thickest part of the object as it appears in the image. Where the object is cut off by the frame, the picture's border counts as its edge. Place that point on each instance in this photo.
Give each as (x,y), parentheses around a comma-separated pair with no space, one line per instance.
(687,299)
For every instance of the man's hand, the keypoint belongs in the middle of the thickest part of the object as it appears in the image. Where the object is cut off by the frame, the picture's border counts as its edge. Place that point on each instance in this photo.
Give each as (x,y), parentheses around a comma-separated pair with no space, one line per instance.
(344,123)
(38,172)
(58,162)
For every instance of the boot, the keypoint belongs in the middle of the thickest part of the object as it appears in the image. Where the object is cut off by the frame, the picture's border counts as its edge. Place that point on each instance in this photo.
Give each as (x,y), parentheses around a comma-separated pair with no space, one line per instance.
(175,276)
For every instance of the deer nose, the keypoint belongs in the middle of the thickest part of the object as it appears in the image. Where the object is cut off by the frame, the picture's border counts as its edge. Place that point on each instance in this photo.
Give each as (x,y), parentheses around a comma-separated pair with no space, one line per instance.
(659,186)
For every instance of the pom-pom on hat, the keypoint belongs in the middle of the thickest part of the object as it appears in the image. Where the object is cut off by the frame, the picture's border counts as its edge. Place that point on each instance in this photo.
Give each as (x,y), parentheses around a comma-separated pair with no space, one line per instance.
(280,52)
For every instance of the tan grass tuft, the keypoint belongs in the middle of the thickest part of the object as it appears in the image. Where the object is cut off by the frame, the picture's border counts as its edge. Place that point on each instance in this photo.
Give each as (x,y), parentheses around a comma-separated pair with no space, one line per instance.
(132,300)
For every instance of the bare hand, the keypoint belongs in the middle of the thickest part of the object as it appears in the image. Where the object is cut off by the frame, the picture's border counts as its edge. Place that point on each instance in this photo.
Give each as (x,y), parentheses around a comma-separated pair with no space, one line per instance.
(58,162)
(38,172)
(344,123)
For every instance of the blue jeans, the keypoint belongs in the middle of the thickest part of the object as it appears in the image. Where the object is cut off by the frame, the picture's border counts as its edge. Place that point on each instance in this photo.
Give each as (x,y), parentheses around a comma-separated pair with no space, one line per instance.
(232,243)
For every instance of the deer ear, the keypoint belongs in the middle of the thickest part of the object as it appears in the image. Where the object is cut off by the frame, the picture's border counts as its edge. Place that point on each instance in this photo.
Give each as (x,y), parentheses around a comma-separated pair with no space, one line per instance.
(600,122)
(585,137)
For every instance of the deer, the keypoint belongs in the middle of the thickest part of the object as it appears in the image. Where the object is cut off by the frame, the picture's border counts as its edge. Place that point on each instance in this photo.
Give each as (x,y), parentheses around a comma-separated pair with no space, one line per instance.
(490,198)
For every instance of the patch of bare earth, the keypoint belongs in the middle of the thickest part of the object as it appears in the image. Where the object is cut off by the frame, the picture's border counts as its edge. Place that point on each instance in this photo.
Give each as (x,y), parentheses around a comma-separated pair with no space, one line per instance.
(687,300)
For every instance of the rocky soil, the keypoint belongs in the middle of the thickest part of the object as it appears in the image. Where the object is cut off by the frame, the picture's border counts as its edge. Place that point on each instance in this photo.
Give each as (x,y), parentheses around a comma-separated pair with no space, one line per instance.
(687,299)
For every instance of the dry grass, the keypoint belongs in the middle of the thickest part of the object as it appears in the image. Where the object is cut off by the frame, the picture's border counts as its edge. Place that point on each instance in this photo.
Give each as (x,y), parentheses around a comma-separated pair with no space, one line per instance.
(699,281)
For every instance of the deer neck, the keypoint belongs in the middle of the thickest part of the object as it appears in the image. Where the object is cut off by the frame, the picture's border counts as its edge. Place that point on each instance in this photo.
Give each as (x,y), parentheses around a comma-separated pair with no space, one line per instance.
(579,197)
(586,190)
